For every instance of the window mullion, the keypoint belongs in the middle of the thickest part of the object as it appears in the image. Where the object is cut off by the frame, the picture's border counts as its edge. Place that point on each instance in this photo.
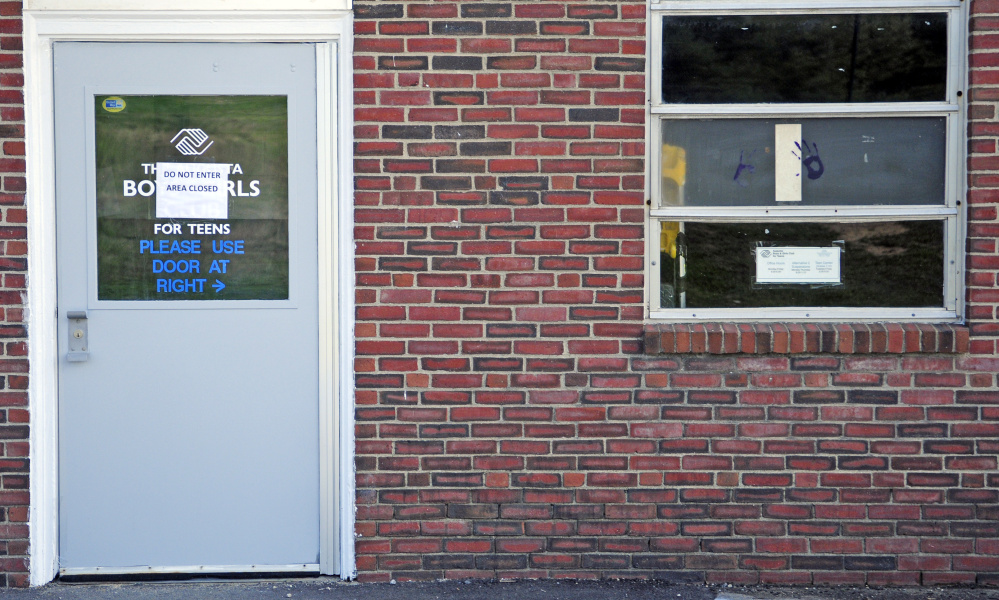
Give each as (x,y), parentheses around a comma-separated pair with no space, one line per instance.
(769,213)
(914,109)
(685,7)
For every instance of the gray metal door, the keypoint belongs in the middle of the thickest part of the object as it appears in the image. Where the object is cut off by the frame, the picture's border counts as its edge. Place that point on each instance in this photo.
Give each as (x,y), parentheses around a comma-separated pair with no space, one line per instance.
(188,326)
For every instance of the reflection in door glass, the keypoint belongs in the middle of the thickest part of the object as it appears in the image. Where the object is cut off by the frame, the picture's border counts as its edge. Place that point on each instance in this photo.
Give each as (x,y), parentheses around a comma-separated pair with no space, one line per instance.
(192,197)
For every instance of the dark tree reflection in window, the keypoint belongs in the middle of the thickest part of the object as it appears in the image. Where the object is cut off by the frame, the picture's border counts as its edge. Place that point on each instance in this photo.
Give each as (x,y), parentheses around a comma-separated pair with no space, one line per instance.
(804,58)
(891,264)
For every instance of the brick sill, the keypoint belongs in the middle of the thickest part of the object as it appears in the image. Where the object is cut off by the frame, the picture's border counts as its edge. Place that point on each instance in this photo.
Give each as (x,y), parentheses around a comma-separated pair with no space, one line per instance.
(805,338)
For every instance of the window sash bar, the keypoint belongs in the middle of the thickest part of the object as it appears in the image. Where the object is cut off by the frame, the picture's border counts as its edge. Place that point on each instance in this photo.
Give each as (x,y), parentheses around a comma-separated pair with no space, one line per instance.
(821,313)
(776,7)
(735,214)
(917,109)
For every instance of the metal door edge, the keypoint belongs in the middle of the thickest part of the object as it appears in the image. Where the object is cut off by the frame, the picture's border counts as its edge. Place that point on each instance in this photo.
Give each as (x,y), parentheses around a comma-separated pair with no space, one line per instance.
(190,569)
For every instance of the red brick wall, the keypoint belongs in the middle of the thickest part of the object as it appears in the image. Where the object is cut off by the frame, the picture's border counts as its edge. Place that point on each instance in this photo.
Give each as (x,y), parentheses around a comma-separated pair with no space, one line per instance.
(500,209)
(13,333)
(511,419)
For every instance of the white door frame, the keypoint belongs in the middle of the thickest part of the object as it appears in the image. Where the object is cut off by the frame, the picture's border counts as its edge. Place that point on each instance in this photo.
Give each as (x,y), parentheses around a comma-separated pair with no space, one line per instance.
(327,23)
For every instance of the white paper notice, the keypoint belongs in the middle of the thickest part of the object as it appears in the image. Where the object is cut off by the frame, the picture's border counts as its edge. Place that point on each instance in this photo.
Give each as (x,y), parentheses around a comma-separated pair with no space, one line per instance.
(192,191)
(791,264)
(787,168)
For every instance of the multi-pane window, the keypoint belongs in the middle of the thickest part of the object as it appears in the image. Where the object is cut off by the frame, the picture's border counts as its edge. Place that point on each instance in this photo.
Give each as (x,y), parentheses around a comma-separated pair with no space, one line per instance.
(807,163)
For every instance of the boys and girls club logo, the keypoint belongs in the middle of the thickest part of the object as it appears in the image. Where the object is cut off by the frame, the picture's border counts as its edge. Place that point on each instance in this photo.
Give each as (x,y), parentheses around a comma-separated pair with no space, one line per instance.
(188,141)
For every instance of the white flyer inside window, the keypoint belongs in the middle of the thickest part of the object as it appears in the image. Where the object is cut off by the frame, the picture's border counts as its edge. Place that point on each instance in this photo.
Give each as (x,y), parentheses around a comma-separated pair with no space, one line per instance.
(795,264)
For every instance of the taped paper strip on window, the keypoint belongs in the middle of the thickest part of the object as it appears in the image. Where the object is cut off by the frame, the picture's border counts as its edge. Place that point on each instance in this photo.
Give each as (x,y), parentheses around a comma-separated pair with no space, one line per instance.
(787,169)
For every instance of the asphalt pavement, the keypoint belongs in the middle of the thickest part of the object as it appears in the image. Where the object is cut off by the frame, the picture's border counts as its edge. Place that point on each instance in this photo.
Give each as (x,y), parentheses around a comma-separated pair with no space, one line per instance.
(333,589)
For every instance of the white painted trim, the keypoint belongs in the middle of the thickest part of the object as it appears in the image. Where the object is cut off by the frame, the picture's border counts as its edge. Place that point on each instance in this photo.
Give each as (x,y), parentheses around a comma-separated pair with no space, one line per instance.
(328,28)
(793,313)
(868,109)
(307,568)
(43,387)
(797,6)
(203,26)
(344,228)
(336,217)
(960,164)
(652,76)
(183,5)
(325,136)
(733,214)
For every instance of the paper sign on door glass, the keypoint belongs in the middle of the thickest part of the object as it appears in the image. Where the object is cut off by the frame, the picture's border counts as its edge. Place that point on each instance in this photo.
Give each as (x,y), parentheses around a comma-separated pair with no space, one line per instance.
(192,197)
(192,191)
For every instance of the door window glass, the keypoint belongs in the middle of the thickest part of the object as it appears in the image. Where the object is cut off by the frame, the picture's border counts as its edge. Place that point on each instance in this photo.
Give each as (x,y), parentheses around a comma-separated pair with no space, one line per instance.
(192,197)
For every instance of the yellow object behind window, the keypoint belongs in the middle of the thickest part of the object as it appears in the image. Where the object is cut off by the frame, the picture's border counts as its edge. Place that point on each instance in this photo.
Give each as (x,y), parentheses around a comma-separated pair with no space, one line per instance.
(675,164)
(667,237)
(674,172)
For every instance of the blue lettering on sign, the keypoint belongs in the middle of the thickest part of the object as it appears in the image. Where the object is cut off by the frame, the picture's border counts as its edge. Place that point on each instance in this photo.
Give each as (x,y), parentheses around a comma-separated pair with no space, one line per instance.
(227,246)
(178,286)
(169,246)
(176,266)
(189,266)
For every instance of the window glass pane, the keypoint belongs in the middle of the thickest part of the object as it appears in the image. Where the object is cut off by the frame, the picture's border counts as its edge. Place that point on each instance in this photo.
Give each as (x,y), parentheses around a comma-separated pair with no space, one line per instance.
(734,265)
(804,58)
(192,197)
(842,161)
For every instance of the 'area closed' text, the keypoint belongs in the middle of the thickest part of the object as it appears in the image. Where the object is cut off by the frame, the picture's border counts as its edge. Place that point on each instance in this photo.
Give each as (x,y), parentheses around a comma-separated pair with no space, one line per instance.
(145,187)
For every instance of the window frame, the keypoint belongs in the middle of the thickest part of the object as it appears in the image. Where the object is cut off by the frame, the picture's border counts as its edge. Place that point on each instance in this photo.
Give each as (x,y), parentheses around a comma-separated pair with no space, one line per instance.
(953,109)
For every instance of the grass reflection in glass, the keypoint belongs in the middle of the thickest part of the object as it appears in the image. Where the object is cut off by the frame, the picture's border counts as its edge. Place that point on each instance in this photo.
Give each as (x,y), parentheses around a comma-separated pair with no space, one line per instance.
(894,264)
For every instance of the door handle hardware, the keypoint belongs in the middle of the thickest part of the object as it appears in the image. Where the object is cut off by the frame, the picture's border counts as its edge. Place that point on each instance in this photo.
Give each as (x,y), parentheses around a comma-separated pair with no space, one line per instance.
(78,336)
